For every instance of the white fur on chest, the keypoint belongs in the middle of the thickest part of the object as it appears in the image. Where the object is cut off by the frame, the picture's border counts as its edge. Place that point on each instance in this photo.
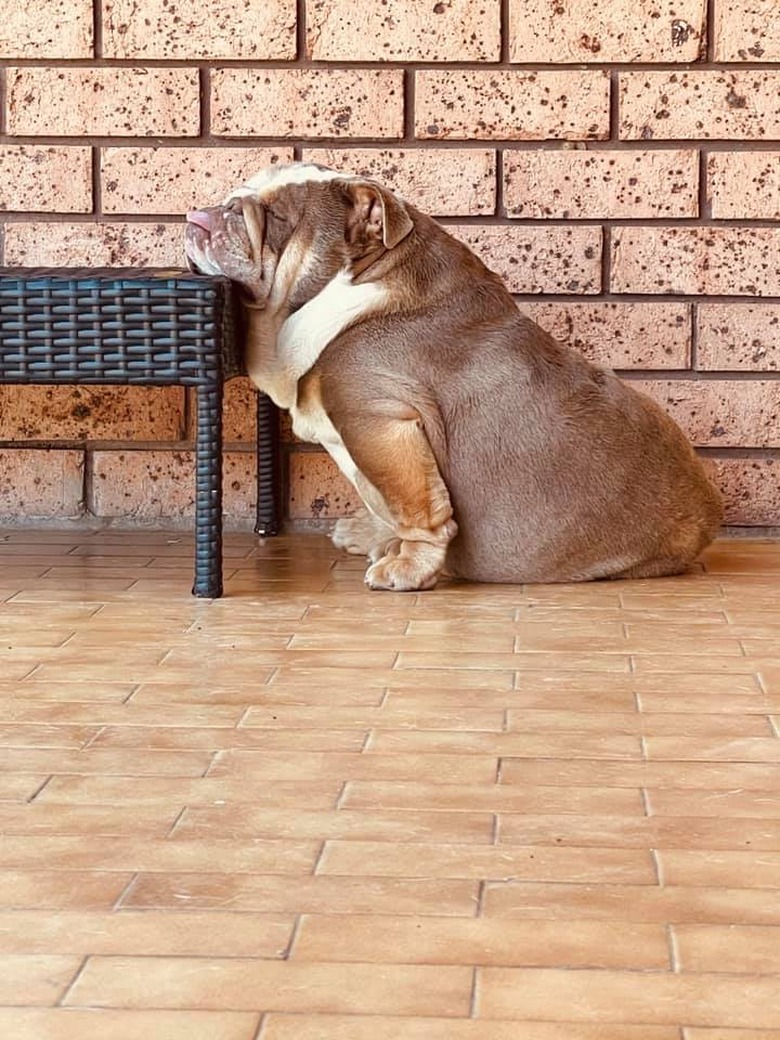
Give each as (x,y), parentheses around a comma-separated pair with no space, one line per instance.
(303,336)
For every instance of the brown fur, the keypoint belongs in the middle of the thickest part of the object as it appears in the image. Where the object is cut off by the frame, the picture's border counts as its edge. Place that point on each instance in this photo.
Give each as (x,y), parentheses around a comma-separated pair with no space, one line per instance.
(481,443)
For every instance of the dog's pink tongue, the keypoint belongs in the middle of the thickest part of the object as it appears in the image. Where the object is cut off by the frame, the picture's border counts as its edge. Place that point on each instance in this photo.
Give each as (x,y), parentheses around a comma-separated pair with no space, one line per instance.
(199,217)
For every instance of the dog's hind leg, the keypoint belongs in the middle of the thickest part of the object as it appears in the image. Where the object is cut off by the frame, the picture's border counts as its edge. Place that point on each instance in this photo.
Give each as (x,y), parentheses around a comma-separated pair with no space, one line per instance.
(399,480)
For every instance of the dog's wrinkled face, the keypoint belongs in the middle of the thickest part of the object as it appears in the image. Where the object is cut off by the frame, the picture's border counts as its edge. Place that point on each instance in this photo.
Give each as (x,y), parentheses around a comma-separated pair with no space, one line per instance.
(290,230)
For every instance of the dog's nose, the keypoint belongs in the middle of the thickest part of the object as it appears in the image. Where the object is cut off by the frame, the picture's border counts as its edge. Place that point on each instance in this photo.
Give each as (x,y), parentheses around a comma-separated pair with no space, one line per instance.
(199,217)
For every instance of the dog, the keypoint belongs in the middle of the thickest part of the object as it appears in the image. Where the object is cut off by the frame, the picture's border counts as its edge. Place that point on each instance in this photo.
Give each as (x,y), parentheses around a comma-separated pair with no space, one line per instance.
(480,446)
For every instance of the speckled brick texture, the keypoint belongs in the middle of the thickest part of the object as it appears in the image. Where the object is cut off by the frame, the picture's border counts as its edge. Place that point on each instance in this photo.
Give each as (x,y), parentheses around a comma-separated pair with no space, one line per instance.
(616,163)
(605,30)
(519,106)
(38,243)
(307,102)
(538,260)
(134,102)
(79,413)
(714,261)
(173,180)
(747,30)
(733,104)
(396,30)
(739,337)
(41,484)
(586,184)
(199,29)
(46,29)
(744,185)
(620,335)
(46,178)
(442,182)
(150,485)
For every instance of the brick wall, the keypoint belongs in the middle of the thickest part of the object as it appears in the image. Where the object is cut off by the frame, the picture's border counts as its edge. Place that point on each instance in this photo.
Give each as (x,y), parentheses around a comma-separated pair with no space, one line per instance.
(617,162)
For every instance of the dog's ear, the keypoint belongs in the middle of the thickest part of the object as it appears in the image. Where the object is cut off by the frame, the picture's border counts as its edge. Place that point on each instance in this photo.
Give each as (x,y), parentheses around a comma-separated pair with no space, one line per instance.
(375,215)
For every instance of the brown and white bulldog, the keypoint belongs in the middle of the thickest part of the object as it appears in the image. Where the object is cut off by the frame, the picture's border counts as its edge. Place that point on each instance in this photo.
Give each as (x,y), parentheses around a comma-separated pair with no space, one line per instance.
(478,444)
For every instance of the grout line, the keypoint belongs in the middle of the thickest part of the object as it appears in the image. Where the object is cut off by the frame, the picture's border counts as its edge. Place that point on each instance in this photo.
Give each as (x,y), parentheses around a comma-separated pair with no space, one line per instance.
(659,870)
(293,937)
(644,794)
(93,738)
(614,107)
(496,829)
(300,31)
(132,693)
(342,794)
(475,994)
(260,1028)
(204,81)
(39,790)
(643,747)
(500,208)
(97,31)
(68,989)
(504,32)
(709,31)
(126,891)
(319,858)
(410,107)
(674,949)
(480,900)
(176,822)
(774,724)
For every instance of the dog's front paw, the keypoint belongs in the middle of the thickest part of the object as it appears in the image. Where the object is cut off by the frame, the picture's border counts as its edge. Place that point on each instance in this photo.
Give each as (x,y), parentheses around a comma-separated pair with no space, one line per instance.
(408,567)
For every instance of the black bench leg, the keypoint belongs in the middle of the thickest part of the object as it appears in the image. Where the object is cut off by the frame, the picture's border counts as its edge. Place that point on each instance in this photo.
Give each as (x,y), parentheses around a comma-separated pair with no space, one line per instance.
(208,493)
(267,471)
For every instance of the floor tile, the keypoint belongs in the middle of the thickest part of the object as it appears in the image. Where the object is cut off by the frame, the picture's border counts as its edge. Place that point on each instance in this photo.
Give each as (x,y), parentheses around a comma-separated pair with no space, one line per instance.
(36,978)
(242,984)
(98,1024)
(306,811)
(743,950)
(412,940)
(356,1027)
(612,996)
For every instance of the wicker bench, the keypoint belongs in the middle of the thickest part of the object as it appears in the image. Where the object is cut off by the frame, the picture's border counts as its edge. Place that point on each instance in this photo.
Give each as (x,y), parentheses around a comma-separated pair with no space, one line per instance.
(147,328)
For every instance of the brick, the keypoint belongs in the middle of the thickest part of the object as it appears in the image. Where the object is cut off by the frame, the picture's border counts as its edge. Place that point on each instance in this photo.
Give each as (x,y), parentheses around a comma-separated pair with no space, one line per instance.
(744,185)
(46,178)
(722,413)
(378,30)
(739,261)
(318,490)
(601,30)
(47,29)
(734,337)
(173,180)
(620,335)
(103,101)
(239,412)
(512,105)
(568,184)
(199,29)
(307,102)
(700,104)
(40,483)
(751,490)
(155,484)
(91,412)
(442,182)
(747,30)
(534,260)
(38,243)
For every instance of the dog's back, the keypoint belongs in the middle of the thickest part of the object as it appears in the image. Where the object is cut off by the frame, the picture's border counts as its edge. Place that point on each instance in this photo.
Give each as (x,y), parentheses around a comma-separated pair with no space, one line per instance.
(557,470)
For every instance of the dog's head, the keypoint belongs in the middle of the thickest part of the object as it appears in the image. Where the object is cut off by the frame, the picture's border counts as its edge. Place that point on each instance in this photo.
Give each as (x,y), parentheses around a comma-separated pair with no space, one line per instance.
(291,229)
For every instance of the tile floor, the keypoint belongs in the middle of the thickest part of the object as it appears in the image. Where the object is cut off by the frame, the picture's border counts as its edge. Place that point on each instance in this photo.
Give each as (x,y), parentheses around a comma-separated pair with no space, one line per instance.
(312,812)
